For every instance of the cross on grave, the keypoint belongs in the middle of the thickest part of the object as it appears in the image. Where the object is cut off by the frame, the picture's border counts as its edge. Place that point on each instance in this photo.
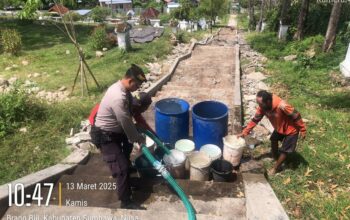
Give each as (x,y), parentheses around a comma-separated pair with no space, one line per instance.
(345,65)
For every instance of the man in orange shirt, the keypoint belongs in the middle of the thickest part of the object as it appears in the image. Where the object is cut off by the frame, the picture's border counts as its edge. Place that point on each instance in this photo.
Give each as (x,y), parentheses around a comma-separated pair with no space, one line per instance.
(286,121)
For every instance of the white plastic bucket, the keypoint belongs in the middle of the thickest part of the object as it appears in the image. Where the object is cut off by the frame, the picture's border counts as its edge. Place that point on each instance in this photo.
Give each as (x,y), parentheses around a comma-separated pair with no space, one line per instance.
(187,147)
(233,149)
(199,166)
(175,163)
(213,151)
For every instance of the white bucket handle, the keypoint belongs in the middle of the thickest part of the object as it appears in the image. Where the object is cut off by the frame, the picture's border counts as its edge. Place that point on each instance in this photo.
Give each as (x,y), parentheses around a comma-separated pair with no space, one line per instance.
(202,170)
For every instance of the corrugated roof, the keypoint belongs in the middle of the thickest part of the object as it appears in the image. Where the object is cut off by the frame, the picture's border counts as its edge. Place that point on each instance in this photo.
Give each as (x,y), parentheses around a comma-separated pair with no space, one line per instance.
(59,9)
(83,11)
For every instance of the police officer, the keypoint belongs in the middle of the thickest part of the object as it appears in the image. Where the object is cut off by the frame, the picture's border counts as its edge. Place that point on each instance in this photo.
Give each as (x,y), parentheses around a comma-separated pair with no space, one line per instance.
(114,130)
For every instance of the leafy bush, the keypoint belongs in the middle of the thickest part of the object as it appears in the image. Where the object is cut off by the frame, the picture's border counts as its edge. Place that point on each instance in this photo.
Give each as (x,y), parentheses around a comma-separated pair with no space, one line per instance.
(272,20)
(183,12)
(17,108)
(164,18)
(11,41)
(72,15)
(99,39)
(99,14)
(180,36)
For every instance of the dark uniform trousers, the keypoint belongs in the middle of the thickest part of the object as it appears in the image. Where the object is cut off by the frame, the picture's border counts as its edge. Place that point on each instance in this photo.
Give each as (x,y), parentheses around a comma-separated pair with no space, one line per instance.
(116,154)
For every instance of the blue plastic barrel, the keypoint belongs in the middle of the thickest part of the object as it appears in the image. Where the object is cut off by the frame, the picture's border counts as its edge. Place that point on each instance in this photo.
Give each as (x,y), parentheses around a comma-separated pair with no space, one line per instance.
(172,120)
(209,119)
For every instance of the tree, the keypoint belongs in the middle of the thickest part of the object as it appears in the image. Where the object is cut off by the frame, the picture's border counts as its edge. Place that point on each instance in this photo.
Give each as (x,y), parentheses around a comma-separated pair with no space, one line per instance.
(212,8)
(285,19)
(332,27)
(304,10)
(184,11)
(252,21)
(261,15)
(99,14)
(29,9)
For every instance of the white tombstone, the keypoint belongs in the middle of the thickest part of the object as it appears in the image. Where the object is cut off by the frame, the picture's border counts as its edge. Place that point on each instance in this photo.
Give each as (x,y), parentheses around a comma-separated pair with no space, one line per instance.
(155,22)
(183,25)
(174,30)
(263,26)
(202,23)
(282,33)
(345,65)
(195,26)
(124,40)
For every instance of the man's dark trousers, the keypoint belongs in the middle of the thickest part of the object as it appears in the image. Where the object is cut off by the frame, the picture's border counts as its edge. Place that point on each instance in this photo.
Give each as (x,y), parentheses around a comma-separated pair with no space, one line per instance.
(116,154)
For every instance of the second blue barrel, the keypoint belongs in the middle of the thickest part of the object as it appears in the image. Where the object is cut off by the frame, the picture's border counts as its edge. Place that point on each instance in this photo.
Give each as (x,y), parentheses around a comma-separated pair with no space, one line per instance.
(209,119)
(172,120)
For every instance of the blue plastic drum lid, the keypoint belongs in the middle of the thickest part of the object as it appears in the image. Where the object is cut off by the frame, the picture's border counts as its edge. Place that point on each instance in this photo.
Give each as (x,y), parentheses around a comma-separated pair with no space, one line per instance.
(172,119)
(210,120)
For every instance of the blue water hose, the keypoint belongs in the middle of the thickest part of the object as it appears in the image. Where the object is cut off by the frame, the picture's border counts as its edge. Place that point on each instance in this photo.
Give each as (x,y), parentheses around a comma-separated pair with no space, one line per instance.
(166,175)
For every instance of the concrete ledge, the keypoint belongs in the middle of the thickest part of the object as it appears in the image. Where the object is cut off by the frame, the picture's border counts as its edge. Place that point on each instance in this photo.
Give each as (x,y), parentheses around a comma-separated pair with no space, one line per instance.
(237,99)
(48,175)
(261,201)
(78,156)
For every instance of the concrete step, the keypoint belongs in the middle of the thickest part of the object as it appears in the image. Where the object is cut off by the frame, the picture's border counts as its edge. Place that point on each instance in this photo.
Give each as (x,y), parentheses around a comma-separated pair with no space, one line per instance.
(100,191)
(212,50)
(220,206)
(211,75)
(208,91)
(208,189)
(90,213)
(225,82)
(206,69)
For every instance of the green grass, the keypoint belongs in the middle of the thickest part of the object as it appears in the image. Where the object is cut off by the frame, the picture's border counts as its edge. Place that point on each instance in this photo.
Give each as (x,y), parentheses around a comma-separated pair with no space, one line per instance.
(44,142)
(45,49)
(242,21)
(319,174)
(44,46)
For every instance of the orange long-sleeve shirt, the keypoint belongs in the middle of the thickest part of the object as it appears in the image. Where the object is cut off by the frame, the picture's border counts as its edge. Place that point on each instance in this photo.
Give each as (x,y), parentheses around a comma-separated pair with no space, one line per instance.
(283,117)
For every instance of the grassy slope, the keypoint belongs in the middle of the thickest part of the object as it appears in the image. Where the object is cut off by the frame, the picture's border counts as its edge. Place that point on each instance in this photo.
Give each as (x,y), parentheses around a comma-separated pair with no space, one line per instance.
(45,48)
(317,183)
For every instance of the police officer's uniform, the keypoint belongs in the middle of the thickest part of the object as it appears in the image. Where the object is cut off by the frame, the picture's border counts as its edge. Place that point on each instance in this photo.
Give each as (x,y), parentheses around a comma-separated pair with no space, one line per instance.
(116,132)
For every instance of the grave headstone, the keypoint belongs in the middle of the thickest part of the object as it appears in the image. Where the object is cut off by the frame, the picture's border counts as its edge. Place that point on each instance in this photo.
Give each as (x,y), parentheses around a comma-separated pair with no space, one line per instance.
(195,26)
(345,65)
(282,33)
(123,35)
(263,26)
(183,25)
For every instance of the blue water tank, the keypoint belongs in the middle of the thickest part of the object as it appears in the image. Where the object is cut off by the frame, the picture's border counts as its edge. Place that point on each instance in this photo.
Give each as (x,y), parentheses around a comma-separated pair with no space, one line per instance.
(210,120)
(172,120)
